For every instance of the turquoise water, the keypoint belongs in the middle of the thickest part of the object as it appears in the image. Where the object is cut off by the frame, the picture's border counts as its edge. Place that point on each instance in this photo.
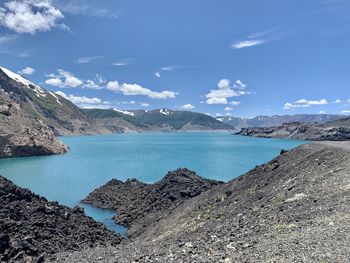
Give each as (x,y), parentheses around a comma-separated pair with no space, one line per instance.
(94,160)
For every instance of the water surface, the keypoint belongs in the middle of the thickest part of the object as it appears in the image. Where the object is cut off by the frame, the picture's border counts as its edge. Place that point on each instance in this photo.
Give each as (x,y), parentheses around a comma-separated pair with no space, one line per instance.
(94,160)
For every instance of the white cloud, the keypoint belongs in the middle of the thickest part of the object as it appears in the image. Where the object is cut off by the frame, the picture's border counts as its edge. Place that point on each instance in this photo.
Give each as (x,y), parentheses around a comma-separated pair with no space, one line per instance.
(157,74)
(337,101)
(64,79)
(226,90)
(240,85)
(84,60)
(187,107)
(135,89)
(78,100)
(345,112)
(56,82)
(90,84)
(322,112)
(248,43)
(27,71)
(303,103)
(228,109)
(30,16)
(144,104)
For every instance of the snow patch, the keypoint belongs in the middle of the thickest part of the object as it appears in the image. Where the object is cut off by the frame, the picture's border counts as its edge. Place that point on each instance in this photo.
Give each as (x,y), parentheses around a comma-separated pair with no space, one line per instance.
(165,111)
(125,112)
(30,85)
(54,95)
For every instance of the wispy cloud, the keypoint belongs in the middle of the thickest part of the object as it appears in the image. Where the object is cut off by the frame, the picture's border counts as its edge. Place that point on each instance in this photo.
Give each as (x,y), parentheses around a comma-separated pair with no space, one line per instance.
(255,39)
(123,62)
(85,8)
(159,72)
(7,39)
(303,103)
(83,60)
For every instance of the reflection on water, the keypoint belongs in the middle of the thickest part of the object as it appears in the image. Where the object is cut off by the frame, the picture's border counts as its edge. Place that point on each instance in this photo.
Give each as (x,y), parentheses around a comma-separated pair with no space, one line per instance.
(104,216)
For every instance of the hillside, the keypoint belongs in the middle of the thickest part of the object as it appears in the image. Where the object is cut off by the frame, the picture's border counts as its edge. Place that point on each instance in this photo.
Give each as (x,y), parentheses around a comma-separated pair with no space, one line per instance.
(31,228)
(292,209)
(155,120)
(22,135)
(338,130)
(277,120)
(63,117)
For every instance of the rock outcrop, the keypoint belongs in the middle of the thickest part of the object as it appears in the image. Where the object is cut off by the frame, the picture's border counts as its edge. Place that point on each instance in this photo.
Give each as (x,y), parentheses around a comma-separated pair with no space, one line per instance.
(139,204)
(32,228)
(301,131)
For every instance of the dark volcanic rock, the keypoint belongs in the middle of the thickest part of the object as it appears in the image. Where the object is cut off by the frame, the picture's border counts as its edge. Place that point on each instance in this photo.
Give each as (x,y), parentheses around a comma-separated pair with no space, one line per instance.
(292,209)
(31,228)
(139,204)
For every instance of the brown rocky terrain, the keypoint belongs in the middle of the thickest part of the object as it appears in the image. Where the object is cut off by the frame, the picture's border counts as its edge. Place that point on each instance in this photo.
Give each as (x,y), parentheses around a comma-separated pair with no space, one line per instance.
(22,135)
(292,209)
(32,228)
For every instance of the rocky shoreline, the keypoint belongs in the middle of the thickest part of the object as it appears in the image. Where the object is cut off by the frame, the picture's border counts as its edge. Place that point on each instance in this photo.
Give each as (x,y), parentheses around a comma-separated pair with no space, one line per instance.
(32,229)
(301,131)
(140,205)
(293,209)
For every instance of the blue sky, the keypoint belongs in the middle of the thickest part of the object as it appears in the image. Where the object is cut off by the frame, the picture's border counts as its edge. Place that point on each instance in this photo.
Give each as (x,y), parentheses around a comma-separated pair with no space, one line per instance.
(243,57)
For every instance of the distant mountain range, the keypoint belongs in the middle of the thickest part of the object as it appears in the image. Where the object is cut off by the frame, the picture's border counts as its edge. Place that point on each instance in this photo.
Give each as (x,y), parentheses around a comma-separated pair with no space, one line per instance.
(164,120)
(338,130)
(31,117)
(277,120)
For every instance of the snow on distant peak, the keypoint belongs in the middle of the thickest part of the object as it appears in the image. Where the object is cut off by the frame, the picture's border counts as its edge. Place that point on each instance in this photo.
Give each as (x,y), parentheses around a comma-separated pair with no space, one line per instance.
(30,85)
(125,112)
(165,111)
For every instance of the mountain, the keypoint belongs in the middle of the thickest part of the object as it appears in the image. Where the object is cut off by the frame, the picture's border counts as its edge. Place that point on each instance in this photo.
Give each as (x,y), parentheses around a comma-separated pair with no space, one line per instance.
(277,120)
(61,115)
(155,120)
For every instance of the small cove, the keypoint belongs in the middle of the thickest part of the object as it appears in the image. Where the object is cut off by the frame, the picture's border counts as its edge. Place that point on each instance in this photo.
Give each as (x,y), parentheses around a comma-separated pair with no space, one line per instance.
(94,160)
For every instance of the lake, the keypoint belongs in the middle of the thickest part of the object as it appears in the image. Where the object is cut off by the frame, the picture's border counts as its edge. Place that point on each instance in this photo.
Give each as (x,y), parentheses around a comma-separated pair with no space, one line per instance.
(94,160)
